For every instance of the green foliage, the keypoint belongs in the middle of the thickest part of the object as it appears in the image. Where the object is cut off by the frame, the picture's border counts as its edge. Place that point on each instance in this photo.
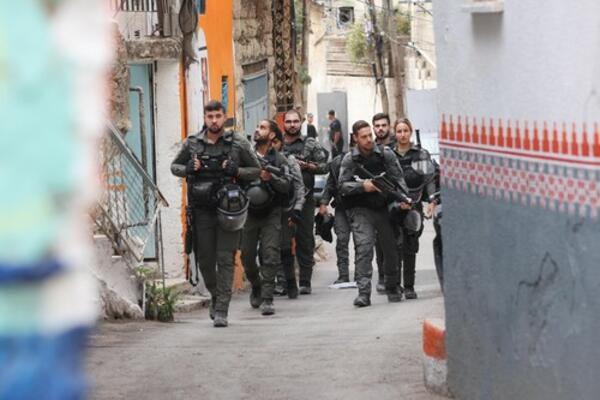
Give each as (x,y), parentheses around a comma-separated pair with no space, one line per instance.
(357,44)
(403,24)
(160,303)
(303,76)
(143,272)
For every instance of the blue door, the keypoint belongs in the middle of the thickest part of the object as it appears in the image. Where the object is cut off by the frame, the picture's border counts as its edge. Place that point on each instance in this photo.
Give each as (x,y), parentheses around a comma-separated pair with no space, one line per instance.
(140,76)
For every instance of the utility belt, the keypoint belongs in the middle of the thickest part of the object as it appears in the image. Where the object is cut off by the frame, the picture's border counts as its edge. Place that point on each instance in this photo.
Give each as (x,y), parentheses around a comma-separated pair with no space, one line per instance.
(367,200)
(202,193)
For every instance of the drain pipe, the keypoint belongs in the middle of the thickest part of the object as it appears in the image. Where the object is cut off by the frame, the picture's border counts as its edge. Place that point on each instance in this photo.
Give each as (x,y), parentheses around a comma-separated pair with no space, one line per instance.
(143,144)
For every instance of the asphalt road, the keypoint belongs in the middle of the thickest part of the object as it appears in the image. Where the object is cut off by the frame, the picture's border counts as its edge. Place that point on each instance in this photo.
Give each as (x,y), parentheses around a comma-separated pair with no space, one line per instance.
(316,347)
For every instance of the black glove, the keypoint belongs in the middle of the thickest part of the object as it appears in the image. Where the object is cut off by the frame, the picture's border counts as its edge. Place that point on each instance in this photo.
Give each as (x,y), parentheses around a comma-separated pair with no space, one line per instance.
(231,168)
(189,168)
(296,216)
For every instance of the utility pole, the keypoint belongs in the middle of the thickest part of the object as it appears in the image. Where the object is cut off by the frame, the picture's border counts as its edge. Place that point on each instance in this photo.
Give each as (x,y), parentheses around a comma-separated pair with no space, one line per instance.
(397,44)
(379,71)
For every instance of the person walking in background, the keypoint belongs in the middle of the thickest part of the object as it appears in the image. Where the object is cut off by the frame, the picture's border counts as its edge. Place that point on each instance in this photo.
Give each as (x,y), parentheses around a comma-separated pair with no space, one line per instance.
(267,196)
(419,174)
(286,275)
(311,130)
(336,138)
(312,160)
(341,222)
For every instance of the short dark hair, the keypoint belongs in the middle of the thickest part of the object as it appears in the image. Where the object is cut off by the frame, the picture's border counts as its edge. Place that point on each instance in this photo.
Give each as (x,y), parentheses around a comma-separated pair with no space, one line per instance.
(293,111)
(214,105)
(273,127)
(379,116)
(358,125)
(332,112)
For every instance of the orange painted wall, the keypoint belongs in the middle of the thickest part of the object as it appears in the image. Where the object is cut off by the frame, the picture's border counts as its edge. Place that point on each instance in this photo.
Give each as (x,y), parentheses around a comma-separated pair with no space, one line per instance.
(217,23)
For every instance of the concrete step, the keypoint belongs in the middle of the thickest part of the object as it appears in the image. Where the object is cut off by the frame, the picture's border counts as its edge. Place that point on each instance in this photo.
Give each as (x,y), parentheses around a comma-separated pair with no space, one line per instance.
(188,303)
(179,285)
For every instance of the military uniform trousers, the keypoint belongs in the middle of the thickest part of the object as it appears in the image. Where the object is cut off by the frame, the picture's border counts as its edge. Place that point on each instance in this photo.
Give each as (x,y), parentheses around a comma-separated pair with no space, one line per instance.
(265,230)
(369,226)
(305,242)
(342,229)
(215,249)
(407,249)
(286,270)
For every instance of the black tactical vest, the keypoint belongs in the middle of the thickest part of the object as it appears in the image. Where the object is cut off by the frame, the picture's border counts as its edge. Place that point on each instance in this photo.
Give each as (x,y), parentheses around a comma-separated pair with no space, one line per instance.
(375,164)
(203,184)
(297,150)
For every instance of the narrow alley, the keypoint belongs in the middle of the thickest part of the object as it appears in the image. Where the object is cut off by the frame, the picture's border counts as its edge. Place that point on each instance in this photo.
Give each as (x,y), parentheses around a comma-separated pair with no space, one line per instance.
(316,347)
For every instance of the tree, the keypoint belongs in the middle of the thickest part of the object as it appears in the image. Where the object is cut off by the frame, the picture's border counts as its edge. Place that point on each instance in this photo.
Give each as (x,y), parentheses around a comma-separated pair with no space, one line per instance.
(377,39)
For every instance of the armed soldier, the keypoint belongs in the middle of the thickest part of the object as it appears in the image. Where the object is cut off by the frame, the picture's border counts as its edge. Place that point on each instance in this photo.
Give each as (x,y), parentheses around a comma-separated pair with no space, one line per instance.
(367,205)
(267,196)
(419,174)
(312,160)
(382,128)
(286,276)
(341,223)
(212,161)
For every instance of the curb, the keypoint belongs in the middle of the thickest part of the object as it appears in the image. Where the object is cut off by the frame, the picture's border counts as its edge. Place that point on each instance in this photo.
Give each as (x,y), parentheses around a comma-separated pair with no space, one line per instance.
(435,368)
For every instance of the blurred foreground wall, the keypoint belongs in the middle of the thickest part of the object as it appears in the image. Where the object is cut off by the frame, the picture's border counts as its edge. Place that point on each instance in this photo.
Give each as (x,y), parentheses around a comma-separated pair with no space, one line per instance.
(52,68)
(520,153)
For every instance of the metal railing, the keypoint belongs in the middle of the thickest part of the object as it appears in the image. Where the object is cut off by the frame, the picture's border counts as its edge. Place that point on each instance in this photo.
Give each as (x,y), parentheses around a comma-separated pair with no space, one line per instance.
(128,208)
(134,5)
(146,17)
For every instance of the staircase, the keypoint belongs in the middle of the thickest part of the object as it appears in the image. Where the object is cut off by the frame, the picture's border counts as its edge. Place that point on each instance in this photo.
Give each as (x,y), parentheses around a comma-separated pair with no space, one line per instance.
(339,62)
(124,221)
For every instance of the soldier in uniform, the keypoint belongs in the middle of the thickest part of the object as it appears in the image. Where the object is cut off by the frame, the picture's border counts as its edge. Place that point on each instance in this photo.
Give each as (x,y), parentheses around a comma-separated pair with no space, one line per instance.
(368,209)
(267,196)
(382,128)
(418,170)
(211,161)
(341,223)
(312,160)
(286,276)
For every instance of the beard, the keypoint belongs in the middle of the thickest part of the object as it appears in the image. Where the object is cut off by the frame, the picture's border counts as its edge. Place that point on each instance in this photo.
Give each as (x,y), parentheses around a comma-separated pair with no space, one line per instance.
(261,139)
(292,132)
(382,135)
(215,128)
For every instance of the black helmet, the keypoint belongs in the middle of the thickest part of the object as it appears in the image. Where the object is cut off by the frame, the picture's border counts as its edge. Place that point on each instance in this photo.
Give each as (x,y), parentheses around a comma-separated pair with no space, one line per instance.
(232,207)
(413,221)
(259,196)
(323,225)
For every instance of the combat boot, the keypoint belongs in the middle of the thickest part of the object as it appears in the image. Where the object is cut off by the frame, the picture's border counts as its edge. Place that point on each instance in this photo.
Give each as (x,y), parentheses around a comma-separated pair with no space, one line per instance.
(220,320)
(292,289)
(255,297)
(410,294)
(341,279)
(393,295)
(380,287)
(267,307)
(280,289)
(211,307)
(305,287)
(362,300)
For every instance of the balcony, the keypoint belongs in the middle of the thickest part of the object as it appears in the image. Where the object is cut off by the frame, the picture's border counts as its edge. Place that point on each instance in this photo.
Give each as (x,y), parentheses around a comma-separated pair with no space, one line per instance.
(139,19)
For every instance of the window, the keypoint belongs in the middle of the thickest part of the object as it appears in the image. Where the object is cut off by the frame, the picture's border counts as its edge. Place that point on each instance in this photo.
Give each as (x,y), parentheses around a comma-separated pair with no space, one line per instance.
(345,16)
(201,6)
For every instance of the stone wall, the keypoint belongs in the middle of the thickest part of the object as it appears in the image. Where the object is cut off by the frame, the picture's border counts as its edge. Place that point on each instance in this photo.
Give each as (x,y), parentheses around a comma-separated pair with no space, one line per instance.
(118,81)
(253,43)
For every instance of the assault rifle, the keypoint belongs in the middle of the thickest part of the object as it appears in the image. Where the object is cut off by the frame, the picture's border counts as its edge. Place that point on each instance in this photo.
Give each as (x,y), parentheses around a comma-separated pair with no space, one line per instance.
(386,186)
(264,164)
